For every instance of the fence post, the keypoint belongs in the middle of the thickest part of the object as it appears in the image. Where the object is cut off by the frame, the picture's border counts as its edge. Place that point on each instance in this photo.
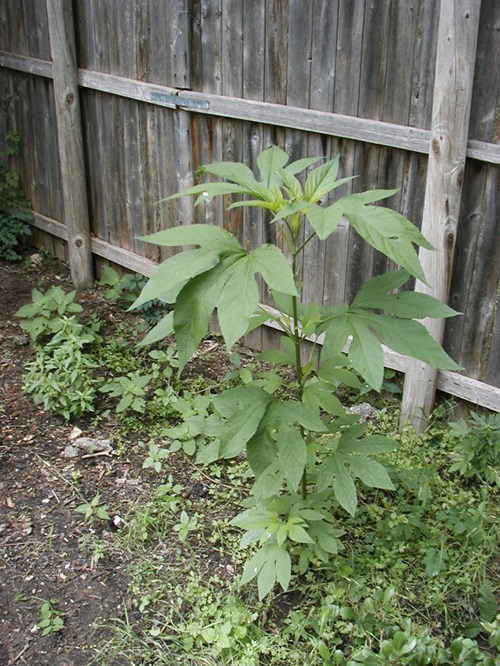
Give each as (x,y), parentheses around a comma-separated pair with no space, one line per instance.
(454,78)
(70,140)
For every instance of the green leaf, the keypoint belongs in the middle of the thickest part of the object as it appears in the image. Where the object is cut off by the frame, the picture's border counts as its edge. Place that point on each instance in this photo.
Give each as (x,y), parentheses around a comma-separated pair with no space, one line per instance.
(266,578)
(371,472)
(365,353)
(253,566)
(385,229)
(271,263)
(163,329)
(194,306)
(320,394)
(405,304)
(238,300)
(292,453)
(298,534)
(208,236)
(345,490)
(488,606)
(332,472)
(408,337)
(206,190)
(287,209)
(233,171)
(300,165)
(321,180)
(269,162)
(172,274)
(291,411)
(260,450)
(240,295)
(283,568)
(243,424)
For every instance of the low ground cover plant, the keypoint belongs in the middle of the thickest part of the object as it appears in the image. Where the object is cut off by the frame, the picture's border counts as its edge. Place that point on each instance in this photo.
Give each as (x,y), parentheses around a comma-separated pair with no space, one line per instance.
(409,587)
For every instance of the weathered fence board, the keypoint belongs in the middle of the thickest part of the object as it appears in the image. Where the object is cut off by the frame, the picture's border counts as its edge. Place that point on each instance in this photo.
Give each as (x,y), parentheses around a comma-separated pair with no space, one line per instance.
(458,24)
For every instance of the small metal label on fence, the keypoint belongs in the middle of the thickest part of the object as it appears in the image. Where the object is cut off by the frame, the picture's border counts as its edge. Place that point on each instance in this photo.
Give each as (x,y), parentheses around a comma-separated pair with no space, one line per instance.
(177,100)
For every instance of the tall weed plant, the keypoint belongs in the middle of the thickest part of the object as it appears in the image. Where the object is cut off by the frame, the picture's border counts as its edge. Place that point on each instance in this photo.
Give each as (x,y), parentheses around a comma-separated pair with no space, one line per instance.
(307,454)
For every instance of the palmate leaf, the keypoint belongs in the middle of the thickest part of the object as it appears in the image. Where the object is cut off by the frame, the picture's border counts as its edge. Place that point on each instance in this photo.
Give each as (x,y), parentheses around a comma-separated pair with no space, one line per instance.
(321,180)
(240,296)
(236,172)
(406,304)
(292,454)
(244,422)
(368,330)
(371,472)
(206,190)
(384,229)
(333,473)
(408,337)
(162,330)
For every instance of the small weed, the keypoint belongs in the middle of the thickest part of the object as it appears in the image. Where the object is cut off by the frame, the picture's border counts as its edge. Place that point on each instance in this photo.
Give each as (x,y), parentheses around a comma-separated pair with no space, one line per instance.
(477,445)
(124,290)
(51,619)
(155,457)
(131,389)
(185,526)
(94,510)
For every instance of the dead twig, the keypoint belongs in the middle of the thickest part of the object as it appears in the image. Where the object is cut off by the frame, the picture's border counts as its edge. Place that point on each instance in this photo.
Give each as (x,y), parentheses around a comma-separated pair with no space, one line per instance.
(60,476)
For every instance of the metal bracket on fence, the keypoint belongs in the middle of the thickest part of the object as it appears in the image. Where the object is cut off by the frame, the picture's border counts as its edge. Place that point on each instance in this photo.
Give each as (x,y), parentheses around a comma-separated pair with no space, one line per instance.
(178,100)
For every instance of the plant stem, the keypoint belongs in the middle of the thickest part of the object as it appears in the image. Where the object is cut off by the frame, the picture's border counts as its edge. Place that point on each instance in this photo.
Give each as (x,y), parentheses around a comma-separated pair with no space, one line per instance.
(297,339)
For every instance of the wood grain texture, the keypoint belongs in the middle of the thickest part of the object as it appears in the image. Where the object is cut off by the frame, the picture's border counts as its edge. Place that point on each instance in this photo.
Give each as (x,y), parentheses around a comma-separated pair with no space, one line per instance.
(458,28)
(70,141)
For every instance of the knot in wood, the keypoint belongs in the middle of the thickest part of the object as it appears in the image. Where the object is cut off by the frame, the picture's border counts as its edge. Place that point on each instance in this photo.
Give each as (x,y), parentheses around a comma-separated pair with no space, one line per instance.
(435,145)
(69,99)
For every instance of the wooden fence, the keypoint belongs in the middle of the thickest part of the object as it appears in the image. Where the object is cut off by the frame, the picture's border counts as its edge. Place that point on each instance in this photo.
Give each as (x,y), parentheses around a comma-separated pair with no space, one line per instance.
(126,99)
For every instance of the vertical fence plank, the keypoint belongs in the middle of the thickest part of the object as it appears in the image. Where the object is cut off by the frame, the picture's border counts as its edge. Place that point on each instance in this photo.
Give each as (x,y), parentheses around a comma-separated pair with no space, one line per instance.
(457,38)
(62,41)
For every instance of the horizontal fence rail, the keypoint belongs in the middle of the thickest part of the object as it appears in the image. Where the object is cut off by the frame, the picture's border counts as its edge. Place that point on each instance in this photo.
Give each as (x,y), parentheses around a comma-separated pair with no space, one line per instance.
(348,127)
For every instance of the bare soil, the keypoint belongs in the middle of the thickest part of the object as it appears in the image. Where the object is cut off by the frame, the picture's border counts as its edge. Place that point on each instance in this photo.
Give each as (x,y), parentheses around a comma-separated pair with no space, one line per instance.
(41,557)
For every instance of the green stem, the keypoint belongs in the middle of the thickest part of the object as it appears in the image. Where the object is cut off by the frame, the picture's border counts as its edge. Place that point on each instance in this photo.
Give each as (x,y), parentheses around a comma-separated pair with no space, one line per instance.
(297,339)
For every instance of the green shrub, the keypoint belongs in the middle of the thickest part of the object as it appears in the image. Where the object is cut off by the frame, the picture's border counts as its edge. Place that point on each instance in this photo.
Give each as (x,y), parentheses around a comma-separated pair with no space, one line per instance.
(477,445)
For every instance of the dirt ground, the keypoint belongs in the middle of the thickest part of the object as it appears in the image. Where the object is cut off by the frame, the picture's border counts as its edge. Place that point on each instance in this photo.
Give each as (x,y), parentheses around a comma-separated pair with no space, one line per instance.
(40,532)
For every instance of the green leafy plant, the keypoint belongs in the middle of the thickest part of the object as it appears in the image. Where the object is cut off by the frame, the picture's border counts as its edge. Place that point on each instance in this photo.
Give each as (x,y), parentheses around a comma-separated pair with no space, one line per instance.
(15,209)
(299,441)
(131,389)
(49,312)
(185,525)
(478,448)
(94,509)
(124,290)
(51,619)
(61,375)
(489,616)
(155,457)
